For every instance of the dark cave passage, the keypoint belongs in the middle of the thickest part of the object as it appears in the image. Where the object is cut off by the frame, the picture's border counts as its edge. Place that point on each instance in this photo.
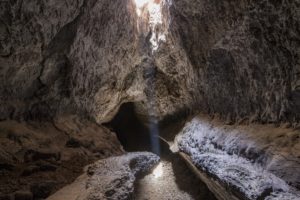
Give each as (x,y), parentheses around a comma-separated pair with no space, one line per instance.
(139,135)
(177,180)
(132,133)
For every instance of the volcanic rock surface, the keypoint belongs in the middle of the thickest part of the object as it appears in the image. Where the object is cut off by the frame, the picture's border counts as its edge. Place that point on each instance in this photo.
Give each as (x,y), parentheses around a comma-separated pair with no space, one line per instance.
(39,158)
(239,60)
(253,162)
(246,54)
(87,57)
(111,178)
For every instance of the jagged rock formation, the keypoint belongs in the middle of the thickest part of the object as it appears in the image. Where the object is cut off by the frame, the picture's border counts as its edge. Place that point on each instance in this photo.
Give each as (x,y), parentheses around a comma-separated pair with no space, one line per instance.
(251,162)
(246,54)
(92,56)
(34,68)
(111,178)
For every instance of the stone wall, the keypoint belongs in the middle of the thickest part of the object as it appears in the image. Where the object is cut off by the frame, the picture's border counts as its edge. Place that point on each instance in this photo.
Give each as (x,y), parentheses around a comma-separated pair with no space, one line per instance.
(246,54)
(239,59)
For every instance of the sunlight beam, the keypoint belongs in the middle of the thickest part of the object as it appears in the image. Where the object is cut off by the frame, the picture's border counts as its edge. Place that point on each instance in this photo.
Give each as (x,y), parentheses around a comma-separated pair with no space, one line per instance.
(140,4)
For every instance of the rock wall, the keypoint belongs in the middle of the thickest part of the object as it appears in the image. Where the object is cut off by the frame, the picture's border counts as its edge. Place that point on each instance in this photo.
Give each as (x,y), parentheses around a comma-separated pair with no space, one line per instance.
(246,54)
(119,56)
(89,57)
(34,68)
(38,158)
(237,59)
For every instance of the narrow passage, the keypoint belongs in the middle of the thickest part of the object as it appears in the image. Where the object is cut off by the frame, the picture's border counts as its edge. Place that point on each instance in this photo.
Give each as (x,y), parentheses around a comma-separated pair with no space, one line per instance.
(171,179)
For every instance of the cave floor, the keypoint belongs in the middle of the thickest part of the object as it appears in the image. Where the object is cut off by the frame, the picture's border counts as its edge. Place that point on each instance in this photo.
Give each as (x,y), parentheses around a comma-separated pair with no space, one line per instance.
(171,179)
(176,182)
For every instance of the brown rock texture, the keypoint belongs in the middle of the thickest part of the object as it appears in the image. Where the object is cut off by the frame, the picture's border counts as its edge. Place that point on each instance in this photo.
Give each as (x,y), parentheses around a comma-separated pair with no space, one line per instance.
(34,69)
(236,59)
(246,54)
(111,178)
(89,59)
(42,157)
(250,161)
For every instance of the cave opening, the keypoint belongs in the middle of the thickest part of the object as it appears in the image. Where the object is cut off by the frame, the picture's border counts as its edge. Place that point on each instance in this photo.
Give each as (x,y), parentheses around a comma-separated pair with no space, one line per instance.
(133,134)
(139,134)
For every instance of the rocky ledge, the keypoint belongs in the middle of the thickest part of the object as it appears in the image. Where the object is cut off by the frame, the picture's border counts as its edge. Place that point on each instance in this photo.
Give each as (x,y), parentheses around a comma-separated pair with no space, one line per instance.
(251,162)
(111,178)
(38,158)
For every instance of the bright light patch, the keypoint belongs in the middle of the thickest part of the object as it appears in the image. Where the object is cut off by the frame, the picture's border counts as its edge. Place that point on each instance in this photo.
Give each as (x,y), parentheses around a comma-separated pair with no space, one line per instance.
(158,171)
(139,5)
(153,7)
(155,21)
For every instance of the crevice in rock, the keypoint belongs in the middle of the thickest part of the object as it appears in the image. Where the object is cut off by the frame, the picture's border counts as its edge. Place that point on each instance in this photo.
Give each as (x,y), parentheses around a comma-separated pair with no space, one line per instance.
(133,134)
(63,39)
